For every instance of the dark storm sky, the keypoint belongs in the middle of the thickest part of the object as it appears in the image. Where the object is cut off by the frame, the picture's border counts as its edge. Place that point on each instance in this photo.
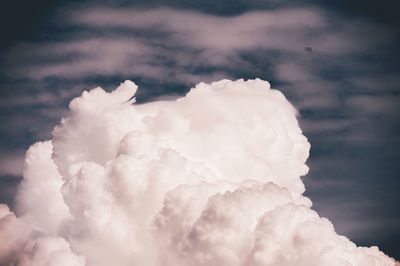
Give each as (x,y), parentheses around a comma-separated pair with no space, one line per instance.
(339,66)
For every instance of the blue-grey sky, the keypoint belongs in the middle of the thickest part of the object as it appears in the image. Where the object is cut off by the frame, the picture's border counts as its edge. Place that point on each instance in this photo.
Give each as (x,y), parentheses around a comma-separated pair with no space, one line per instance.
(336,61)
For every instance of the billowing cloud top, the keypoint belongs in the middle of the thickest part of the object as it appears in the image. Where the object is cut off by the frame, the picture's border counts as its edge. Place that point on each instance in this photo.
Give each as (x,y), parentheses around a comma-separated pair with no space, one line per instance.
(212,178)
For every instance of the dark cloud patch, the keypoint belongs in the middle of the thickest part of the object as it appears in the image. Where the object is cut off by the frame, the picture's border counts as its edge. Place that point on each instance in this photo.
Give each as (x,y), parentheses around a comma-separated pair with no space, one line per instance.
(8,189)
(381,11)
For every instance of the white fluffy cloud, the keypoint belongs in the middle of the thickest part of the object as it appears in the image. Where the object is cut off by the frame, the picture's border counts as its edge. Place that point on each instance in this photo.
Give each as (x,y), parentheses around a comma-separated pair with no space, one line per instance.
(212,178)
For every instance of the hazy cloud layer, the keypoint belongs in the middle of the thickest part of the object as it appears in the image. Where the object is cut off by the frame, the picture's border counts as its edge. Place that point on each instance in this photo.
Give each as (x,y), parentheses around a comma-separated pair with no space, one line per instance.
(140,42)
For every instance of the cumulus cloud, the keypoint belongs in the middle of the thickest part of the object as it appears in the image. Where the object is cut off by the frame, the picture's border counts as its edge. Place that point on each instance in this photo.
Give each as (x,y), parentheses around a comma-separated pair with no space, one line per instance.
(212,178)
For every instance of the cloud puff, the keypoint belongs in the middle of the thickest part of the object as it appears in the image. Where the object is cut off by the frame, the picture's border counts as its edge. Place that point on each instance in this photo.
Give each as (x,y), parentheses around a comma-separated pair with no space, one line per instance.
(212,178)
